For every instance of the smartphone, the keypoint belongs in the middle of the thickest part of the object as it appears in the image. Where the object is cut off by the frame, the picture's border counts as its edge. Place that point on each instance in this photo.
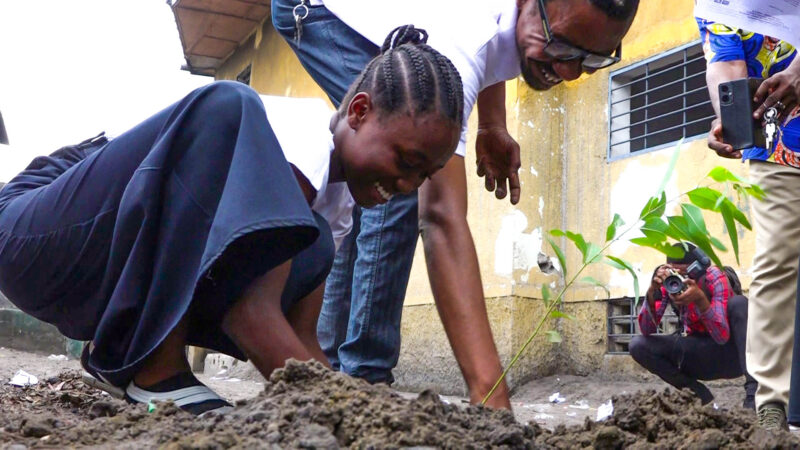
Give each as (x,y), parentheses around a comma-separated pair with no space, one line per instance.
(736,107)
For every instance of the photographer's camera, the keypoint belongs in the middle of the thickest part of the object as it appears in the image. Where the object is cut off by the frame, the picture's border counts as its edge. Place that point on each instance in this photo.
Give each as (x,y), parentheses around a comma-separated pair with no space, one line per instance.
(675,283)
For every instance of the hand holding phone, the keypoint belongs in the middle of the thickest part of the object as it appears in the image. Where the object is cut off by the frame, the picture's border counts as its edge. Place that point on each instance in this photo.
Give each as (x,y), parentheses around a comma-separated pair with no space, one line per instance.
(739,129)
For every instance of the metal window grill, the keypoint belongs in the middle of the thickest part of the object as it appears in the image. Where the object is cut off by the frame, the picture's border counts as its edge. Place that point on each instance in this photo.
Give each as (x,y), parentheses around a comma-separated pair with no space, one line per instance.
(658,101)
(623,324)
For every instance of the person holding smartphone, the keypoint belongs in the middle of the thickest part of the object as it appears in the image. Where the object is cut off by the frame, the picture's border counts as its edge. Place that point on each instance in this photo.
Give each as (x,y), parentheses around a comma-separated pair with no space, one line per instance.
(733,54)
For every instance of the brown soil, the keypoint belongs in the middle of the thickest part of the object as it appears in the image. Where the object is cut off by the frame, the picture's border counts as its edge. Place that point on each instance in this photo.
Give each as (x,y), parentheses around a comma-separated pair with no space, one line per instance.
(307,406)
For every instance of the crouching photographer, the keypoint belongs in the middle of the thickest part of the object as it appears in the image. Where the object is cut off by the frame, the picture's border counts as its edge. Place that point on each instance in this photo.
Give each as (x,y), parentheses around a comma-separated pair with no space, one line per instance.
(712,314)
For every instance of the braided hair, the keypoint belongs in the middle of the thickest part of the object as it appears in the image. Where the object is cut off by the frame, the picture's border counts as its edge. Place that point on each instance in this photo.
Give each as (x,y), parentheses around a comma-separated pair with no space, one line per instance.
(410,76)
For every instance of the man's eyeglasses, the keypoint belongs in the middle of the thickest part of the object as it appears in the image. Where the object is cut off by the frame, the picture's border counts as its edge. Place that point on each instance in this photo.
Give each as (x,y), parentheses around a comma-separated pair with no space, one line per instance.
(564,51)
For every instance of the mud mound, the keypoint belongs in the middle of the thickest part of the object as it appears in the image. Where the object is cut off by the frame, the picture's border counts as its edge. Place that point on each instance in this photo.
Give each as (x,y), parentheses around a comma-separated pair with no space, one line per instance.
(669,420)
(308,406)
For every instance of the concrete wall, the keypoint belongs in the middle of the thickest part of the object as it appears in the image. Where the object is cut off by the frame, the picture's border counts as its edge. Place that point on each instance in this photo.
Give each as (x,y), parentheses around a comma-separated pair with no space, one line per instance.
(567,182)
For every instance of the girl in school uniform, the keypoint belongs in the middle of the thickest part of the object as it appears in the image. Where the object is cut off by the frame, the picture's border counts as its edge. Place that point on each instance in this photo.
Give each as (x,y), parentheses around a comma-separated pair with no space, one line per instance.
(213,223)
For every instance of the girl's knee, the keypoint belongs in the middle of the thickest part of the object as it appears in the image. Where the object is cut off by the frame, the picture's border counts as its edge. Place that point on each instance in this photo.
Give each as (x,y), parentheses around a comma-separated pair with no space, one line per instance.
(225,99)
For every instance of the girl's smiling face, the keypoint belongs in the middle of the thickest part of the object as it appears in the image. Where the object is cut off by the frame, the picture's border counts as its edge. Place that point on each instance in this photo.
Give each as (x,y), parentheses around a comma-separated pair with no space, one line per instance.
(381,155)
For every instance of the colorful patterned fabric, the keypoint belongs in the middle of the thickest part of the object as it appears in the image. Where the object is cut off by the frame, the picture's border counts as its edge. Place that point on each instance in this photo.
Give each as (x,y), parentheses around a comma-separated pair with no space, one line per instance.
(764,56)
(713,322)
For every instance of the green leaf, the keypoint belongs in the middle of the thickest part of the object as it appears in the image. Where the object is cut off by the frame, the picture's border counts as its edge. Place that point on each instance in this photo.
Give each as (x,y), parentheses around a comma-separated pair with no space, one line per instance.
(611,231)
(655,207)
(588,250)
(546,294)
(653,235)
(718,244)
(655,229)
(559,254)
(592,253)
(704,197)
(730,227)
(661,246)
(579,241)
(672,163)
(737,214)
(678,228)
(621,264)
(719,202)
(553,336)
(694,218)
(705,245)
(722,175)
(593,281)
(755,191)
(556,314)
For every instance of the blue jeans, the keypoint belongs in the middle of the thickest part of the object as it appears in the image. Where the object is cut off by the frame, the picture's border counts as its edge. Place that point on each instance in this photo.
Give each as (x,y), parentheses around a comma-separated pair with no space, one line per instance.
(359,325)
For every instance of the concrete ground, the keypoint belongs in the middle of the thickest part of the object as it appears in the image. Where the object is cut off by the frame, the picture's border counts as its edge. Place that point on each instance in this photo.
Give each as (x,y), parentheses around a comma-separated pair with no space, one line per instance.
(578,396)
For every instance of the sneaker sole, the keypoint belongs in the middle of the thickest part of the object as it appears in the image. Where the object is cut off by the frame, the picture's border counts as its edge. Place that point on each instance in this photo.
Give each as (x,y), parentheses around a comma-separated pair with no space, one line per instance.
(114,391)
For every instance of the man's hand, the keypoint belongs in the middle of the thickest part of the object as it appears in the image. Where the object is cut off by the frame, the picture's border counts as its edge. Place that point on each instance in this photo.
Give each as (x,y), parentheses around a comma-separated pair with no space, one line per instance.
(716,143)
(498,160)
(781,90)
(692,294)
(661,273)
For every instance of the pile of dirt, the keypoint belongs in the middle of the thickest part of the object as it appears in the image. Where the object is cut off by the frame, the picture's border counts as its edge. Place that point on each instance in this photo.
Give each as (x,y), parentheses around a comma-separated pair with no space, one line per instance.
(669,419)
(308,406)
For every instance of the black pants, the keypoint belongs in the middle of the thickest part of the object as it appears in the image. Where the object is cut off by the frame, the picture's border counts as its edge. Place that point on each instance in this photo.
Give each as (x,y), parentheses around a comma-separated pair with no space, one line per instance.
(683,360)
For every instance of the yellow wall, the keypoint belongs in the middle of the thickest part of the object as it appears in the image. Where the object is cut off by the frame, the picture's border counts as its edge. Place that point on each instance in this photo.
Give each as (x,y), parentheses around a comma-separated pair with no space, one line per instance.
(566,179)
(275,68)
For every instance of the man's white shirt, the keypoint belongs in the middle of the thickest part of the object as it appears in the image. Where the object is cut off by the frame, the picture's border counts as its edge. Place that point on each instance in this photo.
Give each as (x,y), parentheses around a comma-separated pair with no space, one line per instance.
(478,36)
(302,128)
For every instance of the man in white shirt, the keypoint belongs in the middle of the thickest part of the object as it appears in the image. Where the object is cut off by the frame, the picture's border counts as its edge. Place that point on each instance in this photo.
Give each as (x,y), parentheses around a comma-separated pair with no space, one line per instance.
(489,42)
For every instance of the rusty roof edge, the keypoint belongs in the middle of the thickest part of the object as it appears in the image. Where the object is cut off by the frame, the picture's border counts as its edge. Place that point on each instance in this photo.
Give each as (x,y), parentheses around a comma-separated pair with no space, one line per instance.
(208,71)
(173,5)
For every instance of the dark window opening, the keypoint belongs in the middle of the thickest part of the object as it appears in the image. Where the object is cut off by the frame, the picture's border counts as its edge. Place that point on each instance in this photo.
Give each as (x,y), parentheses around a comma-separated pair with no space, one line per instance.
(623,324)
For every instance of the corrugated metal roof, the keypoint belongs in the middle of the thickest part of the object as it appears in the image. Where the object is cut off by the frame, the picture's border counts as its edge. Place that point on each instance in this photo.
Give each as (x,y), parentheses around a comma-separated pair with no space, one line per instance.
(210,30)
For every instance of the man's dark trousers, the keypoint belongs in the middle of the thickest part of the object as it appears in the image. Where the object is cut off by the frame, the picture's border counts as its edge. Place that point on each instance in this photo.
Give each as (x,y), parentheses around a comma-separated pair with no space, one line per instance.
(683,360)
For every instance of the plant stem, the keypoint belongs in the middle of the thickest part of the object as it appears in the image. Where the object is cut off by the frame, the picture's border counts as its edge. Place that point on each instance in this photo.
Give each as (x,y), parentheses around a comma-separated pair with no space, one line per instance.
(556,301)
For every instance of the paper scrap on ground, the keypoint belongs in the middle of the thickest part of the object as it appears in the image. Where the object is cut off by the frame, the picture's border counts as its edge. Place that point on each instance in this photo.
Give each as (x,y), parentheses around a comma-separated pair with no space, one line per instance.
(22,379)
(557,398)
(776,18)
(580,404)
(57,357)
(605,411)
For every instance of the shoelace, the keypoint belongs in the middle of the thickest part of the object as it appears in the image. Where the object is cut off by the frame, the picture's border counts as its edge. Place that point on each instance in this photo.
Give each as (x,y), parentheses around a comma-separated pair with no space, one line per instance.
(771,418)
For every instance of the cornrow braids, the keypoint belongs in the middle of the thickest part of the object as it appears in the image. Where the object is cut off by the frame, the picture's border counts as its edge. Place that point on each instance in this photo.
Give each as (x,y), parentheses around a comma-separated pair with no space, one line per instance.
(402,35)
(410,76)
(425,90)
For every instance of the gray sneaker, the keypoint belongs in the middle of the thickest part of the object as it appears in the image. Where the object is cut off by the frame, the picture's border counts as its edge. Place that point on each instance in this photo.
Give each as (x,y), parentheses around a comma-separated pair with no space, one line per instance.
(772,417)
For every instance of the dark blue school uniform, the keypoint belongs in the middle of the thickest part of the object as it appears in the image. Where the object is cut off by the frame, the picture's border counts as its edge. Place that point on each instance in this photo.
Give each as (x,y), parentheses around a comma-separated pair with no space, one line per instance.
(116,241)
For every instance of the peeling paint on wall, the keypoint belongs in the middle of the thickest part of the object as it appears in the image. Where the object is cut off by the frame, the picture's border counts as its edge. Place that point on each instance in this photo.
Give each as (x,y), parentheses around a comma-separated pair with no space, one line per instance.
(514,249)
(541,206)
(629,193)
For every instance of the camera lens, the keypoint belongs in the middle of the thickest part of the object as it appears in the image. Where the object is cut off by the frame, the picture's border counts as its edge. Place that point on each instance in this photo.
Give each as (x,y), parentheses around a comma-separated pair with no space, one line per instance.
(724,88)
(673,284)
(726,98)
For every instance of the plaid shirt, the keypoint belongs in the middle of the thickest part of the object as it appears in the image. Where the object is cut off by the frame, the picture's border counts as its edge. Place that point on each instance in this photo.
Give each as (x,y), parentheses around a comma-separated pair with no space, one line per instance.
(713,322)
